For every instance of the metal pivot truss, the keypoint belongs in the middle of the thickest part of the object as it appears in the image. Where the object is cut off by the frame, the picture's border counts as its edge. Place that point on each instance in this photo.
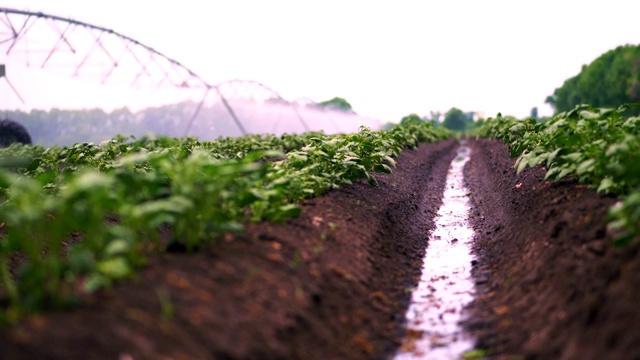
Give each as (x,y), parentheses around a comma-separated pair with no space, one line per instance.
(79,49)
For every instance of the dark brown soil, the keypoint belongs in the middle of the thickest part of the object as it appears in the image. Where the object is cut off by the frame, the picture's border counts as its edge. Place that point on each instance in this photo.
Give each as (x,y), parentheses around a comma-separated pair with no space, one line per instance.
(550,284)
(330,284)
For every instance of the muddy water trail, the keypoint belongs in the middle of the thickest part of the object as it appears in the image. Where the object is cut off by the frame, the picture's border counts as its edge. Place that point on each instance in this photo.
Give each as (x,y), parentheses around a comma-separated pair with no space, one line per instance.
(445,287)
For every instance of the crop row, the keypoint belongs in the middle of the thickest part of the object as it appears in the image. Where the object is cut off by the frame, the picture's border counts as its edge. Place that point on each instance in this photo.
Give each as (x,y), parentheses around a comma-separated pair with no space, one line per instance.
(597,146)
(79,218)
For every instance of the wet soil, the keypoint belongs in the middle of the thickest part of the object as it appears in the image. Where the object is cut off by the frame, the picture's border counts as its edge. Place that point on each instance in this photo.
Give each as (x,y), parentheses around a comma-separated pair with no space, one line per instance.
(331,284)
(550,284)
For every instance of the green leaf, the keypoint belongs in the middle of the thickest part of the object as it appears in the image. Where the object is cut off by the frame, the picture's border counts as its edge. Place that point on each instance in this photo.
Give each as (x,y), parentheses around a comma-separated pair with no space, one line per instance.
(264,154)
(285,212)
(372,180)
(176,204)
(476,354)
(605,185)
(552,156)
(5,179)
(585,167)
(521,164)
(390,160)
(552,173)
(114,268)
(615,149)
(231,226)
(90,181)
(134,159)
(116,247)
(96,282)
(573,157)
(623,239)
(564,172)
(383,168)
(290,210)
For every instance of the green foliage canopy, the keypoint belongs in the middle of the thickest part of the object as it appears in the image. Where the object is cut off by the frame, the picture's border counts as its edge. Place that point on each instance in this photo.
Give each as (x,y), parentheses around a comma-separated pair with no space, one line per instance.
(409,118)
(457,120)
(337,103)
(611,80)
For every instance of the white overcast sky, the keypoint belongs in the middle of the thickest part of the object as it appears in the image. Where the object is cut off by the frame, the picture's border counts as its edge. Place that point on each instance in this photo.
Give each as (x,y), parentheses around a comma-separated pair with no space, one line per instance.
(387,58)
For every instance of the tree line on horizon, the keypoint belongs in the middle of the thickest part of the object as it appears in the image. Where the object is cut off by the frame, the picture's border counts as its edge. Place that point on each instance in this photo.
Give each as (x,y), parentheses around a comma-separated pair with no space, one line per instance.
(58,127)
(609,81)
(68,127)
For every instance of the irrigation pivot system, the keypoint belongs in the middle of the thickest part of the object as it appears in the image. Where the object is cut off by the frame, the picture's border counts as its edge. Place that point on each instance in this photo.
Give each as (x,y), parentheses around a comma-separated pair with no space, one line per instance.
(79,49)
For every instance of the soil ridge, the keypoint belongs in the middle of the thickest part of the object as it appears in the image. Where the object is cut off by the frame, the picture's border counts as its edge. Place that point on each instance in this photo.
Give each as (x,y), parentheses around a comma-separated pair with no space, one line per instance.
(550,284)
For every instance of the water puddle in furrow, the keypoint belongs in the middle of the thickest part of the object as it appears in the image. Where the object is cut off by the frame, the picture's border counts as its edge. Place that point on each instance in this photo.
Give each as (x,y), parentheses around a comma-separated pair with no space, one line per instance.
(446,286)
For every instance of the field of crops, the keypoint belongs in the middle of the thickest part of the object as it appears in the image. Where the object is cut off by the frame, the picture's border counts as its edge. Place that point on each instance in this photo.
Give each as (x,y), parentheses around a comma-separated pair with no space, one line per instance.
(116,196)
(185,248)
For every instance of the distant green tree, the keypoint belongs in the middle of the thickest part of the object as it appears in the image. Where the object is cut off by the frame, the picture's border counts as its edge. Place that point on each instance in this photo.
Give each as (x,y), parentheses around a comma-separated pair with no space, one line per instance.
(609,81)
(457,120)
(410,117)
(337,103)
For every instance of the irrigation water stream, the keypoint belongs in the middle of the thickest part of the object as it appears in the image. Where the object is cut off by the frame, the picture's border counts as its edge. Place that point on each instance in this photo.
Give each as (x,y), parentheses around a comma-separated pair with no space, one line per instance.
(445,287)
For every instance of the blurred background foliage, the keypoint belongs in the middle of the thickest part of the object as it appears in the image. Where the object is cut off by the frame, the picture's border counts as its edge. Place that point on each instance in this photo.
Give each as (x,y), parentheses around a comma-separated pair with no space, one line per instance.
(609,81)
